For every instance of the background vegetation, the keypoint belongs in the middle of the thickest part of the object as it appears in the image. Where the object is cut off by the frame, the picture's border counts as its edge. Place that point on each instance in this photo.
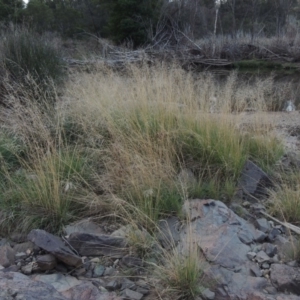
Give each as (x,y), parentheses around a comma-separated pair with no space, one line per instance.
(139,21)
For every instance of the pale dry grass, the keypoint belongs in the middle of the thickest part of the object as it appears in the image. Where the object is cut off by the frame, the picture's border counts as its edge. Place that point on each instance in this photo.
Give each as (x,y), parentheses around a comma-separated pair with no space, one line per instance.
(152,122)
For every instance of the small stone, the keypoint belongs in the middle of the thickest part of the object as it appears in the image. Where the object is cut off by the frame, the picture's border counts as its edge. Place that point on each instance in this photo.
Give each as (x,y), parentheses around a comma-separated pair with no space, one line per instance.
(27,269)
(46,262)
(20,255)
(207,294)
(270,249)
(127,284)
(98,270)
(251,255)
(262,257)
(79,272)
(259,236)
(246,204)
(113,285)
(265,266)
(7,256)
(262,225)
(266,272)
(281,228)
(256,248)
(255,270)
(109,271)
(275,258)
(131,295)
(95,260)
(273,234)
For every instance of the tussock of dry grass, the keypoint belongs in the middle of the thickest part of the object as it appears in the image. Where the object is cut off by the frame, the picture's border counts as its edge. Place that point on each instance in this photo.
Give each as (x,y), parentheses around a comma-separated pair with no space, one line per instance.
(155,121)
(134,133)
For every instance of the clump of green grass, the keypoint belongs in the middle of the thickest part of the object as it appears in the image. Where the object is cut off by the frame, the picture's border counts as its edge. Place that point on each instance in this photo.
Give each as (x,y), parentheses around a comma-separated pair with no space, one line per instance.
(182,275)
(44,195)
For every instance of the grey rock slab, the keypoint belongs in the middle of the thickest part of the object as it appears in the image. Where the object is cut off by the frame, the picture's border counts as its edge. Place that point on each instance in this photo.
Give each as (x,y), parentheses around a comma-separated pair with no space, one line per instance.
(87,291)
(46,262)
(215,229)
(263,225)
(84,226)
(95,245)
(18,286)
(55,246)
(230,285)
(253,183)
(286,278)
(7,256)
(168,234)
(131,295)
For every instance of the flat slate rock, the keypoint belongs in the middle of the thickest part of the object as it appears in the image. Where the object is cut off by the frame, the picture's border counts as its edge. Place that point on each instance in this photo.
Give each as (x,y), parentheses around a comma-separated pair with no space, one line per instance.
(216,230)
(18,286)
(55,246)
(95,245)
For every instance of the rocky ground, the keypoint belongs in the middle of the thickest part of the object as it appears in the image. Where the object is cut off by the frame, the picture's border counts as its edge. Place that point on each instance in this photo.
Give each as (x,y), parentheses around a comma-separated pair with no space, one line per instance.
(244,254)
